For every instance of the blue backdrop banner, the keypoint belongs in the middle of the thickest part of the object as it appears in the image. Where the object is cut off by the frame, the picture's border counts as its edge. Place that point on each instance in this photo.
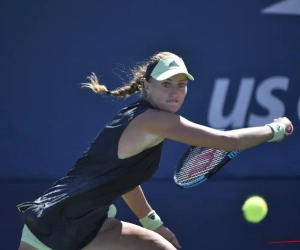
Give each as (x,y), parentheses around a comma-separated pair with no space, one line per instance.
(244,56)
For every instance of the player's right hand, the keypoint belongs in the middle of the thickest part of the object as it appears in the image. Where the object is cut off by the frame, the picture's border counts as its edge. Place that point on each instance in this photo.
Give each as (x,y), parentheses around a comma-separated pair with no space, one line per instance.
(288,125)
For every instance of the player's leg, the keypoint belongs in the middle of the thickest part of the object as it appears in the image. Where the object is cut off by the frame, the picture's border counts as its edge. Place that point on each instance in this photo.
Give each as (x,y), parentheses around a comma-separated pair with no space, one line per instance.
(30,242)
(113,235)
(119,235)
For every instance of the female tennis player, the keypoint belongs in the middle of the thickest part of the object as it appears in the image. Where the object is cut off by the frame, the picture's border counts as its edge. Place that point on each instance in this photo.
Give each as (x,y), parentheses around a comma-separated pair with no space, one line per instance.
(76,212)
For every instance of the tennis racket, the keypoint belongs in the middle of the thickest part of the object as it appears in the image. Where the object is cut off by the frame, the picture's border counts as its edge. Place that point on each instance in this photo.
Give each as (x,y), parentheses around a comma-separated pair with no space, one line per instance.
(200,163)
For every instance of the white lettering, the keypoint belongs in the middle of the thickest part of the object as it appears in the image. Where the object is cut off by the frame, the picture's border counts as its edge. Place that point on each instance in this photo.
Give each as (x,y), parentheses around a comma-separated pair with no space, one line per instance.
(268,101)
(237,116)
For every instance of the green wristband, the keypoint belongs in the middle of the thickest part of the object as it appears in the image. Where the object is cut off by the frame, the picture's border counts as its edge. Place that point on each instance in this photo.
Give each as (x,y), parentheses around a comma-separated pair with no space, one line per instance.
(151,221)
(278,129)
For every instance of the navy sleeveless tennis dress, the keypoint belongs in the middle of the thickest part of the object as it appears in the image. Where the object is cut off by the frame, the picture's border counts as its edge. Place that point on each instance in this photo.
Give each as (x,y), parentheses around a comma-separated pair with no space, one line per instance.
(69,214)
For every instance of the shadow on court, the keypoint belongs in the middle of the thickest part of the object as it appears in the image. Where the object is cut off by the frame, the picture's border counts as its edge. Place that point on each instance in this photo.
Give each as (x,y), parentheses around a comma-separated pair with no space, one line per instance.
(204,217)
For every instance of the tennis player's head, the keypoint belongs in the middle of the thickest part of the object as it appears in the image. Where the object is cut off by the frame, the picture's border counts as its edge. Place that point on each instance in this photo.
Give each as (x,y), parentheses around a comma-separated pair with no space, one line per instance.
(162,81)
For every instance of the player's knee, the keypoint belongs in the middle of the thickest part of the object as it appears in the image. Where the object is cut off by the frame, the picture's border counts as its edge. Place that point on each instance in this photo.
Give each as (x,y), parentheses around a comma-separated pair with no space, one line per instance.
(148,239)
(160,243)
(115,234)
(164,245)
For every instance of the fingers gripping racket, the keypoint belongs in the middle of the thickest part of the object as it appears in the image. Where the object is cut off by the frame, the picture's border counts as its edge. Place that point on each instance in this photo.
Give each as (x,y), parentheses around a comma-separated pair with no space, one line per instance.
(200,163)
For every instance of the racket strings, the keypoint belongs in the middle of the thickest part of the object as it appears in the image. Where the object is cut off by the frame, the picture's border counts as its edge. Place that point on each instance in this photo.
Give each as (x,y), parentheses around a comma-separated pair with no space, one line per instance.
(198,162)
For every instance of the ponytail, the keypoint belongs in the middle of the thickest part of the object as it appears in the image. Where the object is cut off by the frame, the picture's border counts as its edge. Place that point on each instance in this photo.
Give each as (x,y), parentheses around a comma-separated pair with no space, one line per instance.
(134,86)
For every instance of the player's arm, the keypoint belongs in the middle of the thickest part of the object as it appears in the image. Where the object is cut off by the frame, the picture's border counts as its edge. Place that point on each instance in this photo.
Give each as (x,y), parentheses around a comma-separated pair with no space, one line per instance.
(137,202)
(177,128)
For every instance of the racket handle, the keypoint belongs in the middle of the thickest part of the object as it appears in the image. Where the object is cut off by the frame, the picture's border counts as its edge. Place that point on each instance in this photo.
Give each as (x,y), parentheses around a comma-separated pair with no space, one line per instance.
(289,129)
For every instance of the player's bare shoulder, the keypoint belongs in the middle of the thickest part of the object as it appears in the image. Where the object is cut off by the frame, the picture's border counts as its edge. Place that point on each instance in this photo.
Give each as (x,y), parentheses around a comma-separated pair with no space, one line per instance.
(136,138)
(155,121)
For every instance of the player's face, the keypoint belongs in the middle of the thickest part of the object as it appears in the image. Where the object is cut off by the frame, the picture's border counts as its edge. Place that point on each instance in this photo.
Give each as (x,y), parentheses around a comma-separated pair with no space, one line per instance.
(167,95)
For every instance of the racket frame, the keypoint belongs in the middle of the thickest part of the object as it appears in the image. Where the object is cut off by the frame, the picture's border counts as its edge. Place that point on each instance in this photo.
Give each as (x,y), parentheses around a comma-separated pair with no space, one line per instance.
(229,156)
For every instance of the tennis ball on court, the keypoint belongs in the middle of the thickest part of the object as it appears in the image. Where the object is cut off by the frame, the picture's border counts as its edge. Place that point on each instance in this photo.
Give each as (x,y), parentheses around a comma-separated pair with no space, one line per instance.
(255,209)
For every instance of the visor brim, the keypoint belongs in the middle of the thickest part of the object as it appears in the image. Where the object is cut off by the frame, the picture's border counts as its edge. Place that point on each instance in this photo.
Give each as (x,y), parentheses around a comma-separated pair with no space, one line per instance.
(168,74)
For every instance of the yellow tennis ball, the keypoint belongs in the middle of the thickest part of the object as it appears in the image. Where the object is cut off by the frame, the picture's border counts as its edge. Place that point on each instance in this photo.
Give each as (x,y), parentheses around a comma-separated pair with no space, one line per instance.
(255,209)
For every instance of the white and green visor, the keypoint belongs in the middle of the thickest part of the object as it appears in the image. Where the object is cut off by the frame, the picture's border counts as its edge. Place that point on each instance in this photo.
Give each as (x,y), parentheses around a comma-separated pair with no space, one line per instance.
(168,67)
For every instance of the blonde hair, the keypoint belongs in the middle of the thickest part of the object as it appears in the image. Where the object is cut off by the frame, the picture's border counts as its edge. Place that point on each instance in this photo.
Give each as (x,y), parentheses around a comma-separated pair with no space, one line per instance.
(135,85)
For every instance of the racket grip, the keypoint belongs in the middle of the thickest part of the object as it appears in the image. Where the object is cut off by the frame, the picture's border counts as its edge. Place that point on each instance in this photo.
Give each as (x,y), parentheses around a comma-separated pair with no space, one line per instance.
(289,129)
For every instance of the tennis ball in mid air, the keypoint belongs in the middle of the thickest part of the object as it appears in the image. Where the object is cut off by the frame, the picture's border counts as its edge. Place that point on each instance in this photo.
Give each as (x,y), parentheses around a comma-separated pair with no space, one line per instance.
(255,209)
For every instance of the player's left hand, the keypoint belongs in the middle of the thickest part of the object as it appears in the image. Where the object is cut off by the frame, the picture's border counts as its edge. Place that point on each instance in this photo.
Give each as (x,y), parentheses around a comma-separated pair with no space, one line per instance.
(168,235)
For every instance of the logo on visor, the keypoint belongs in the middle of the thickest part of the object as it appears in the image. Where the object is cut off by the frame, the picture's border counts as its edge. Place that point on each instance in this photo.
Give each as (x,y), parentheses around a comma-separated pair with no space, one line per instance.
(173,64)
